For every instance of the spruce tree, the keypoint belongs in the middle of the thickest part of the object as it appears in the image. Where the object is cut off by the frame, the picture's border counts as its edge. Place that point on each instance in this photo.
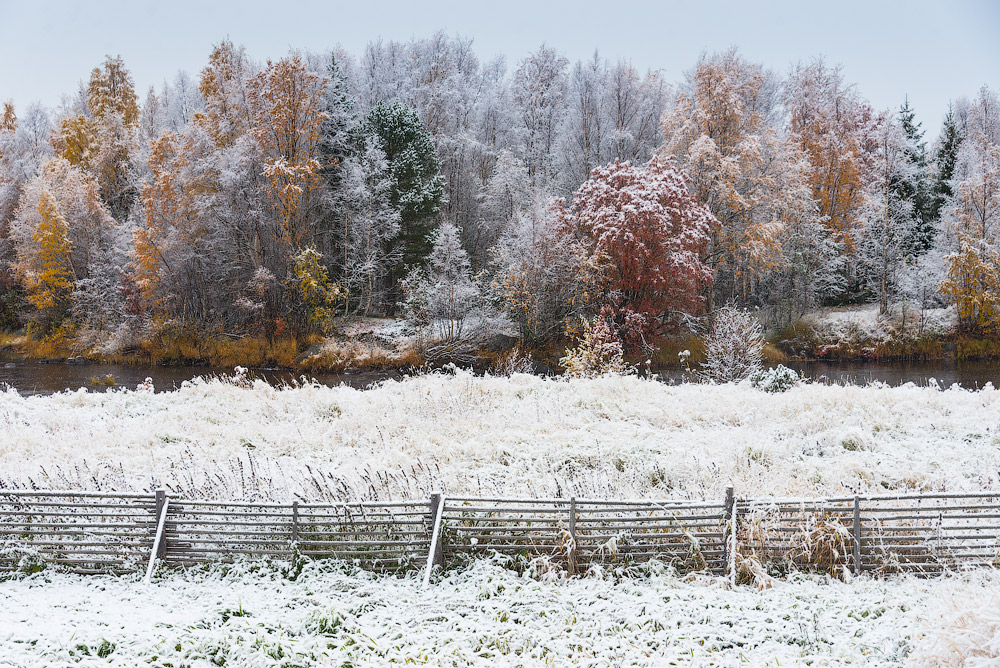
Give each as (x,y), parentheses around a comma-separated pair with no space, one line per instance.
(917,189)
(336,144)
(945,157)
(337,128)
(417,184)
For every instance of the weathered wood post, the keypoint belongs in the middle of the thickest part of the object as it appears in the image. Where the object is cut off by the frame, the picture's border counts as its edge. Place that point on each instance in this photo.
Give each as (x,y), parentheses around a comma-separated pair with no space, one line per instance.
(435,555)
(161,537)
(728,529)
(159,550)
(571,555)
(857,535)
(295,522)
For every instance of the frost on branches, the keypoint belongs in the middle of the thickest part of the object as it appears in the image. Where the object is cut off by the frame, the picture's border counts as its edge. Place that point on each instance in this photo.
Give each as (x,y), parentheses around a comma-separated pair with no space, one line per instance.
(734,347)
(649,236)
(598,353)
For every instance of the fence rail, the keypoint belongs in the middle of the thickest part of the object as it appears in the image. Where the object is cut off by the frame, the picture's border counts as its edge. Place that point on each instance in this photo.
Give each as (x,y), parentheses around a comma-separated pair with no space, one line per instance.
(91,532)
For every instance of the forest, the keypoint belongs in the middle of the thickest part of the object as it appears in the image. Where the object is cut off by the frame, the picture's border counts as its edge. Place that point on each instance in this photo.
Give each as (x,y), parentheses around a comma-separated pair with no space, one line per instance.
(266,205)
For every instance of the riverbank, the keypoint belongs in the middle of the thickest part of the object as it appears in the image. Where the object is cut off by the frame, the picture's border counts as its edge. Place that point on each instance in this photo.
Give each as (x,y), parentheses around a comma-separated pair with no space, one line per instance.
(856,334)
(361,345)
(862,334)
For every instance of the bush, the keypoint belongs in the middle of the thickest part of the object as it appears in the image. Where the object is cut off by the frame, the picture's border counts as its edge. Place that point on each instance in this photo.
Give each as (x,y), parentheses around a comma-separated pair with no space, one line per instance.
(598,353)
(778,379)
(734,348)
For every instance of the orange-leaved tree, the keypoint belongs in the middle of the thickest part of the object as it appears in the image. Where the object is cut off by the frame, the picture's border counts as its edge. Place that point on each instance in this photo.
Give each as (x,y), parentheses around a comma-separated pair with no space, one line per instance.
(753,179)
(649,235)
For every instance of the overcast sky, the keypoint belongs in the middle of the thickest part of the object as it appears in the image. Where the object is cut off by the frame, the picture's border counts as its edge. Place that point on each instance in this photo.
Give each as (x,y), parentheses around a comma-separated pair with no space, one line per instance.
(931,51)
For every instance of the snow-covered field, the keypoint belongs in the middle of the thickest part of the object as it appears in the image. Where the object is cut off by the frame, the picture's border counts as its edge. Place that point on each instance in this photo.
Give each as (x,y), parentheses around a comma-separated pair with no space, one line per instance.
(490,616)
(524,435)
(480,435)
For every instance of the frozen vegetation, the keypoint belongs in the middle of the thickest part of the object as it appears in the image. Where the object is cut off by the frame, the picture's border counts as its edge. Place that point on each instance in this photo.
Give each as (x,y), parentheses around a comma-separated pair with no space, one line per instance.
(523,435)
(490,616)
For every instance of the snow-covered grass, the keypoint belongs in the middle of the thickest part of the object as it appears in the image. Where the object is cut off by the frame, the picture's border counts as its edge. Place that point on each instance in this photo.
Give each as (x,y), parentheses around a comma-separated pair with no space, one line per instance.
(521,436)
(864,324)
(487,616)
(524,436)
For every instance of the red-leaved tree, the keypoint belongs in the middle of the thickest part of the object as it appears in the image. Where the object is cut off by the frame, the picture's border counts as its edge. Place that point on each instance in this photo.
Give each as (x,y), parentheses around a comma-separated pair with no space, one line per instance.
(649,235)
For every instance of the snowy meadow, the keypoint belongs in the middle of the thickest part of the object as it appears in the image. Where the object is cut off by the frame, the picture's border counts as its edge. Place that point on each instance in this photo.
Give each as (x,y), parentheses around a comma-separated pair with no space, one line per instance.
(487,615)
(523,435)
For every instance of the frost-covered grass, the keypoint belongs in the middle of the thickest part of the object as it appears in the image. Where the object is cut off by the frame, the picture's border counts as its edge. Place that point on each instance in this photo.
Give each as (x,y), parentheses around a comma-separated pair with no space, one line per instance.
(864,324)
(524,435)
(489,616)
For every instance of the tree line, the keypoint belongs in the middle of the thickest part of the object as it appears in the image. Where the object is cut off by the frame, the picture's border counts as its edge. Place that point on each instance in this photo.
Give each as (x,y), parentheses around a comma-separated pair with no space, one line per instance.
(272,199)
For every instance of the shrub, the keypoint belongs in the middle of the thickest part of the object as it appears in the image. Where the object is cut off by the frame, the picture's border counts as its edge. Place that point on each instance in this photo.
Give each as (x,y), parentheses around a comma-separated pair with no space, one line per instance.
(734,348)
(777,379)
(598,353)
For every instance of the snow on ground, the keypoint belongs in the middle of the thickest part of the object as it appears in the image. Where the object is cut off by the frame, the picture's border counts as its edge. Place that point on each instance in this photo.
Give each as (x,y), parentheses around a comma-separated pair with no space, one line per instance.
(858,324)
(524,435)
(490,616)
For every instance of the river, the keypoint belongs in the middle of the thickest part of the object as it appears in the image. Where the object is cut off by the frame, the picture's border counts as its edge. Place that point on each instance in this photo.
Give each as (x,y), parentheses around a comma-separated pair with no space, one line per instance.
(30,378)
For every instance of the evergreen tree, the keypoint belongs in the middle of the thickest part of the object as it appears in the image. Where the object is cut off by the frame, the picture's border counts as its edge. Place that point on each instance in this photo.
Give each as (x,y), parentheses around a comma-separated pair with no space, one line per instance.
(337,127)
(945,157)
(337,143)
(916,188)
(417,185)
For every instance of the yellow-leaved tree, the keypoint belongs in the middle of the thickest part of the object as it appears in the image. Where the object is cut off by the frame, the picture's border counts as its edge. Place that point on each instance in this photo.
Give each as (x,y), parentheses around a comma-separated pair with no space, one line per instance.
(76,140)
(112,100)
(319,294)
(753,179)
(49,279)
(285,101)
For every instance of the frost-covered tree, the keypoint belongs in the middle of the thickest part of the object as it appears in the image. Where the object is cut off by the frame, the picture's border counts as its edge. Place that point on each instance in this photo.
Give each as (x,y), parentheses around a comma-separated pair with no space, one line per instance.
(832,125)
(285,104)
(506,194)
(917,188)
(538,90)
(753,179)
(889,219)
(734,347)
(113,103)
(972,219)
(444,295)
(62,234)
(417,187)
(370,226)
(648,234)
(945,157)
(543,279)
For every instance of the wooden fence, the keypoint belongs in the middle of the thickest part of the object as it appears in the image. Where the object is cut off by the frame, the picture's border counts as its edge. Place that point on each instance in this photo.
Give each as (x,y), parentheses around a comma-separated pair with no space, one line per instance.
(91,532)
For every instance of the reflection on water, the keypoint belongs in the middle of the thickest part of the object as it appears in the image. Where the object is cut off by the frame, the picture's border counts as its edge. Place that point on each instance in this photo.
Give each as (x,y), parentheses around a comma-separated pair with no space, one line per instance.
(31,378)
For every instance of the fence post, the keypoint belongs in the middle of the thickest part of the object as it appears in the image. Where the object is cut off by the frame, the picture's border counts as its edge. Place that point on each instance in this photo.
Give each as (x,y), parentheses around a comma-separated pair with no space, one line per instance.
(161,501)
(295,521)
(435,555)
(159,550)
(727,528)
(857,535)
(571,556)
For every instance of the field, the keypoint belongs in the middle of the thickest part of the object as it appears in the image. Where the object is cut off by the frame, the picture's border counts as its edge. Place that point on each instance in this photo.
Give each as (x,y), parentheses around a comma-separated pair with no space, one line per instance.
(490,616)
(230,438)
(523,436)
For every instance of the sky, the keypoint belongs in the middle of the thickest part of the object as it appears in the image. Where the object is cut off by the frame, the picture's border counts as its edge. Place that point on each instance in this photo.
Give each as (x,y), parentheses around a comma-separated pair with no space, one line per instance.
(931,52)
